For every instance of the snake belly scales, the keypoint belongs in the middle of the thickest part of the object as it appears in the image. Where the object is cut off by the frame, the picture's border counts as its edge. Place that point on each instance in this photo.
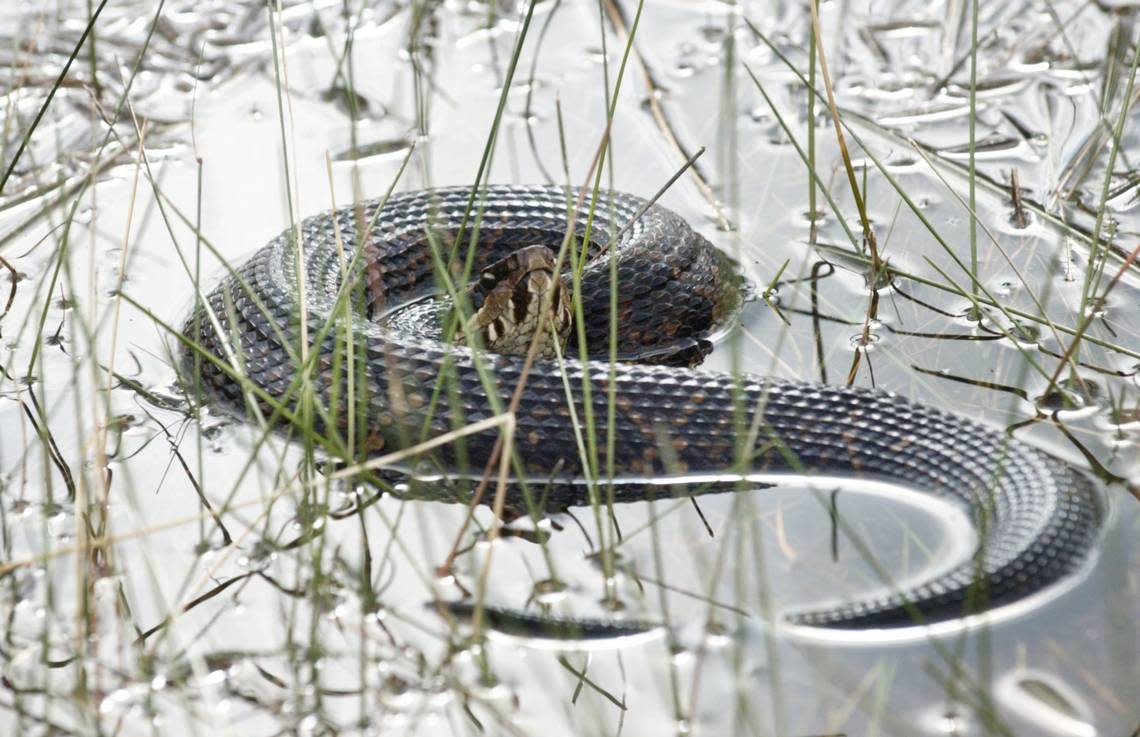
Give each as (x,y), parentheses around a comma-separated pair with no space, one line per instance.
(1036,518)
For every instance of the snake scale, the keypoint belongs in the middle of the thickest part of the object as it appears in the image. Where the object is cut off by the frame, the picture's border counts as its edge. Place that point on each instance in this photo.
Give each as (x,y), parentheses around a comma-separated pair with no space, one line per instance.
(1036,518)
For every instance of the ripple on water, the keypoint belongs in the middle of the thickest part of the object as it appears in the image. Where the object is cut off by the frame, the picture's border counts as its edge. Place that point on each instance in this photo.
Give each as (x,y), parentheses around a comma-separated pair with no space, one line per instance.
(1047,701)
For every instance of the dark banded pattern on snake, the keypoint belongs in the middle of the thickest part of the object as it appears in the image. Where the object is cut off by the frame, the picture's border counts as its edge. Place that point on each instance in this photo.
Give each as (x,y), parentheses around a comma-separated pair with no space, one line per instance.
(1037,519)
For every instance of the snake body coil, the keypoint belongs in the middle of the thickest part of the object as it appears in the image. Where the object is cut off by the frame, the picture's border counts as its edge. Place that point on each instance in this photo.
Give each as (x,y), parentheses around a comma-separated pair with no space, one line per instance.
(1036,518)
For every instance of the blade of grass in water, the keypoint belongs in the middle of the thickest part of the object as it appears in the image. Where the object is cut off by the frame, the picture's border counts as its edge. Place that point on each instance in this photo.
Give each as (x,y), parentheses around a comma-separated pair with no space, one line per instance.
(972,124)
(1097,255)
(58,82)
(985,298)
(977,688)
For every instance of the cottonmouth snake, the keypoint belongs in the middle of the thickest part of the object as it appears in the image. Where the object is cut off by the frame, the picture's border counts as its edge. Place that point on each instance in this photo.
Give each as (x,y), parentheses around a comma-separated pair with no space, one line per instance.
(1036,518)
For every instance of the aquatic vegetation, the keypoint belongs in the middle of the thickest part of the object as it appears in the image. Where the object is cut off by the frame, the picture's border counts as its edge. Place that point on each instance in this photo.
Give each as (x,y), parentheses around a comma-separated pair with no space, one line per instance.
(937,200)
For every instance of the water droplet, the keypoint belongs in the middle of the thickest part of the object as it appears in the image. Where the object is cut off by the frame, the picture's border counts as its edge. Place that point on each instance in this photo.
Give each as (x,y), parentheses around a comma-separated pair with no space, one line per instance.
(549,591)
(1096,309)
(951,723)
(683,658)
(877,280)
(596,559)
(116,701)
(1020,220)
(258,557)
(864,341)
(761,114)
(1004,288)
(807,218)
(711,33)
(595,54)
(1069,395)
(684,68)
(717,636)
(376,149)
(613,604)
(1124,417)
(1025,333)
(901,163)
(972,313)
(216,676)
(655,96)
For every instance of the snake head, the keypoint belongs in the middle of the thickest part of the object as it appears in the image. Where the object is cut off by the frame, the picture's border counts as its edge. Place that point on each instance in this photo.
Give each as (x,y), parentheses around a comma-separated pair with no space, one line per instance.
(513,297)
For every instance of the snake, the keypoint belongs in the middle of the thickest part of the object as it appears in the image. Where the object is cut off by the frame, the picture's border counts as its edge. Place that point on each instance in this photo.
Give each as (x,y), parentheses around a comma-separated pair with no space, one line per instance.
(330,287)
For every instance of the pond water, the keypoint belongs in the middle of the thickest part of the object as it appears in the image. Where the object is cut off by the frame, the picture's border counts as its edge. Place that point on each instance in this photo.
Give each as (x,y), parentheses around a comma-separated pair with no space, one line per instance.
(164,572)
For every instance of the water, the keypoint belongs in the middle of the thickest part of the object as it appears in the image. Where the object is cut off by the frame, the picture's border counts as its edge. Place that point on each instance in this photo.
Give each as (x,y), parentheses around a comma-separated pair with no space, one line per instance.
(291,612)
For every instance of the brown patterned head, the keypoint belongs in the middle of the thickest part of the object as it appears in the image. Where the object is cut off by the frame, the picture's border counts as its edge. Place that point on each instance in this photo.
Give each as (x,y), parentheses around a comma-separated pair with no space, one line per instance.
(509,299)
